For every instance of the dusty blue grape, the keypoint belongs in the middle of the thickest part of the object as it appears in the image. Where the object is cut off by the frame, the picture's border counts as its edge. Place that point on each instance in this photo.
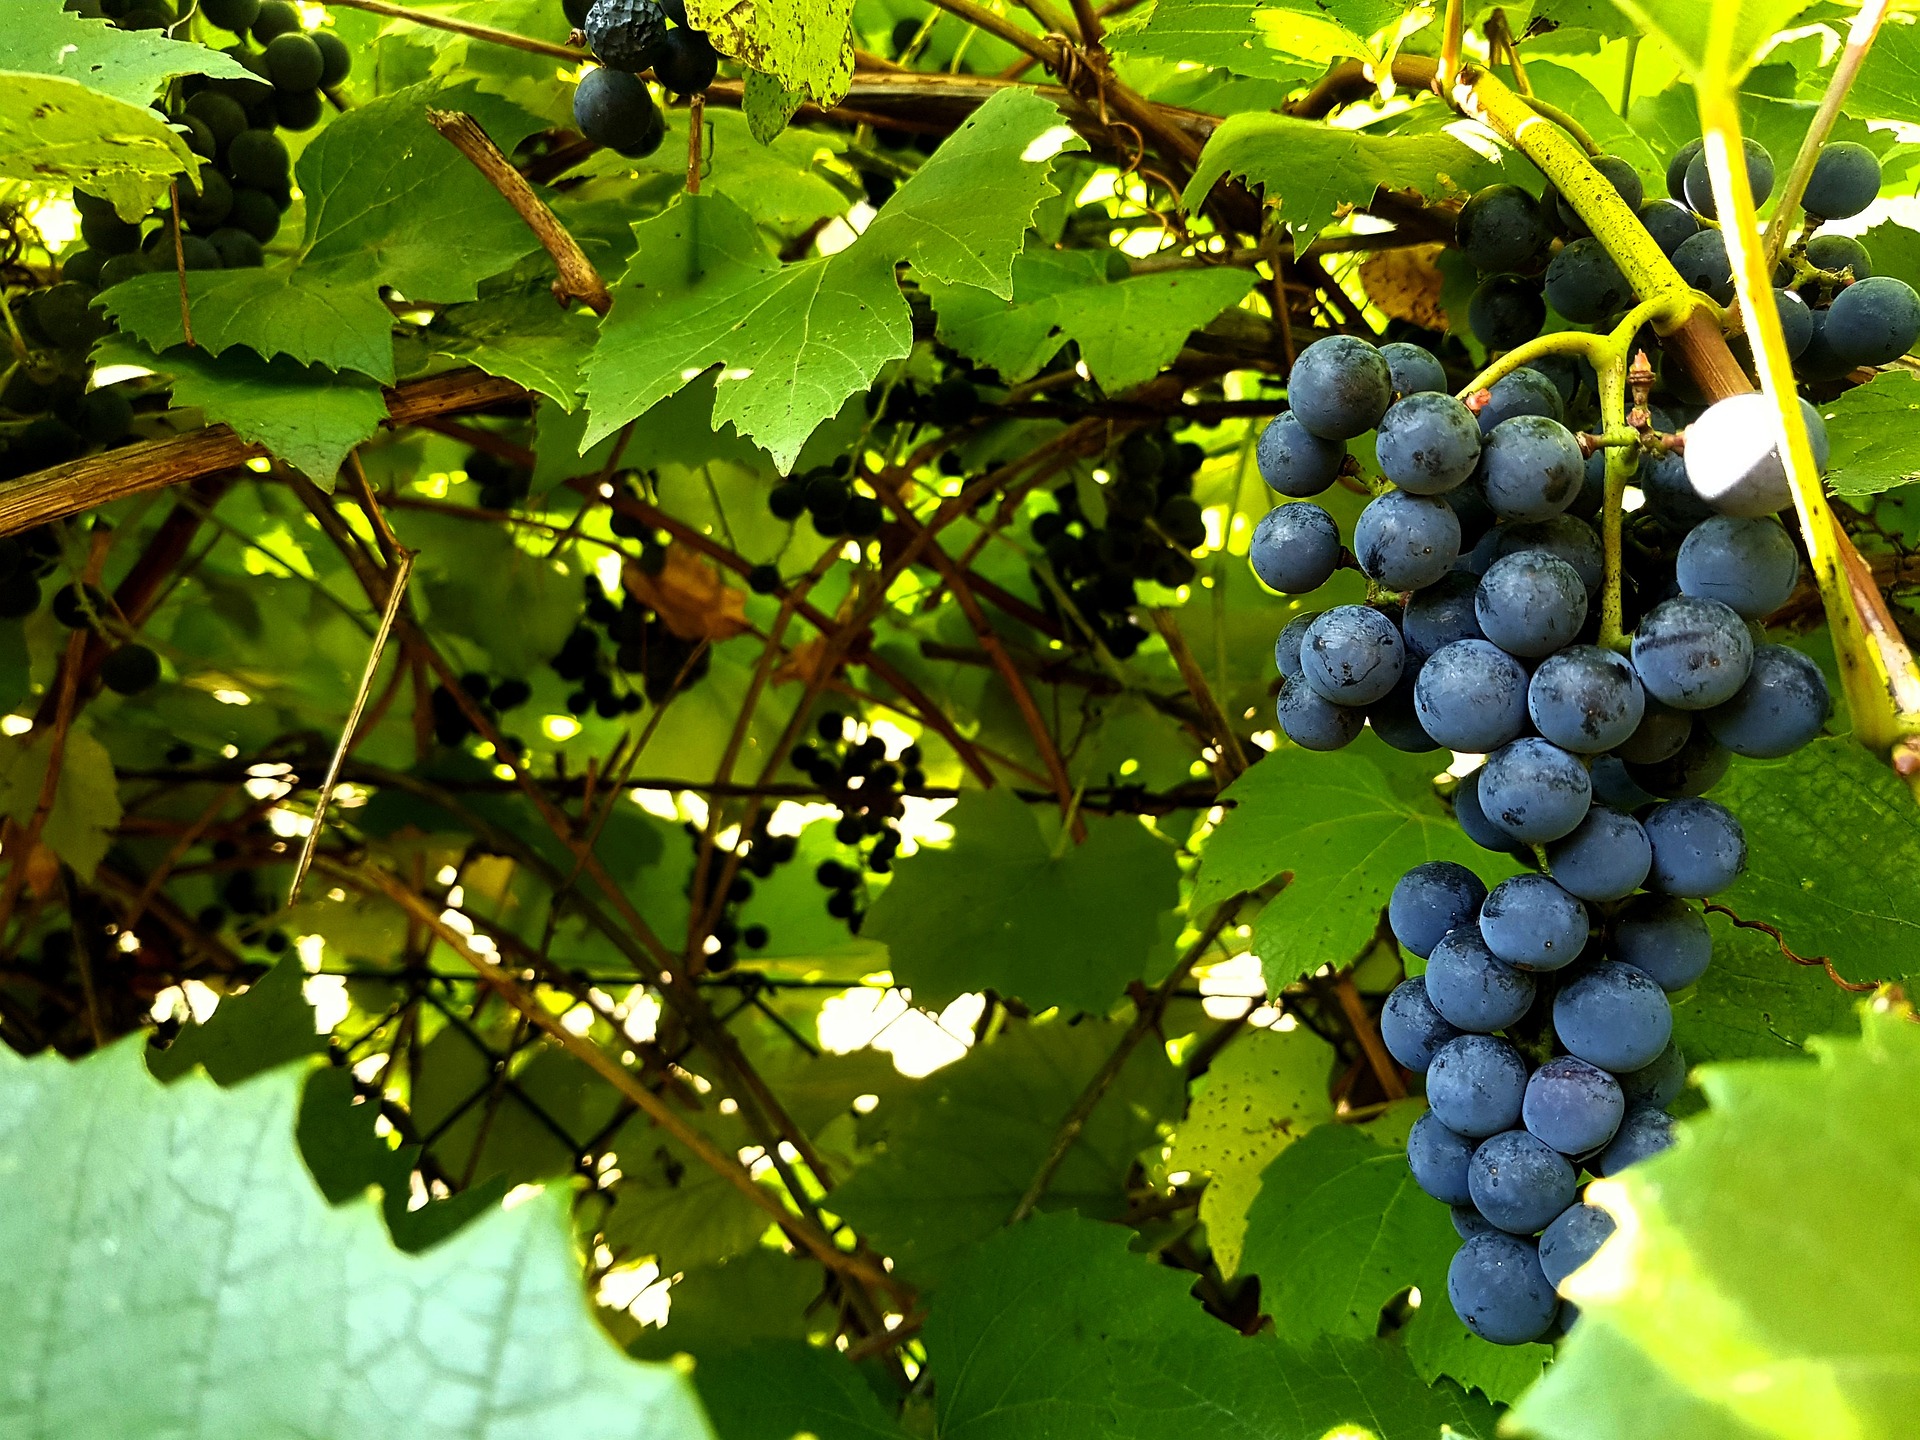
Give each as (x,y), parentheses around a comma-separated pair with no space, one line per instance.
(1469,1222)
(1671,499)
(1506,310)
(1294,461)
(1840,255)
(1525,391)
(1501,228)
(1339,387)
(1699,765)
(1295,548)
(1759,175)
(1574,1238)
(1584,284)
(1428,443)
(1669,224)
(1606,858)
(1410,1028)
(1564,536)
(1472,819)
(1747,564)
(1519,1182)
(1613,1016)
(1532,922)
(1352,655)
(1796,322)
(1314,723)
(1664,938)
(1874,321)
(1690,654)
(1585,699)
(1530,604)
(1660,735)
(1702,262)
(1699,849)
(1405,541)
(1286,647)
(1658,1084)
(1438,615)
(1431,899)
(1498,1290)
(1617,172)
(1677,169)
(1572,1106)
(1845,181)
(1472,988)
(1534,790)
(1438,1159)
(1413,368)
(1645,1132)
(1475,1084)
(1472,697)
(1784,704)
(1614,785)
(1531,468)
(1395,720)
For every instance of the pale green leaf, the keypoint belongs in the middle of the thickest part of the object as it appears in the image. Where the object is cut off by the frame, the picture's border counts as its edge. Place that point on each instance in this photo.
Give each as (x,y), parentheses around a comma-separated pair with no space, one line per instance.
(56,131)
(805,45)
(1874,434)
(1686,29)
(672,1207)
(1268,40)
(44,38)
(86,800)
(767,105)
(526,338)
(1888,85)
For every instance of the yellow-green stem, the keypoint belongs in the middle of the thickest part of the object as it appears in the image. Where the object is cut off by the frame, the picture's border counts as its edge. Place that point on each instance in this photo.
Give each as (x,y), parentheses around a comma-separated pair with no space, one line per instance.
(1621,460)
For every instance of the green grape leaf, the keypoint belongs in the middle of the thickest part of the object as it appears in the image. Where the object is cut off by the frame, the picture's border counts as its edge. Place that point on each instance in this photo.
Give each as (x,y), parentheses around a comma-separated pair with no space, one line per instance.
(805,45)
(1316,171)
(1743,1283)
(1055,1328)
(1126,329)
(1888,85)
(130,65)
(56,131)
(1577,95)
(672,1206)
(1754,1003)
(794,341)
(1873,434)
(267,1024)
(971,1138)
(86,800)
(525,338)
(1833,848)
(177,1223)
(997,909)
(525,1127)
(1896,251)
(780,1389)
(1346,826)
(431,228)
(767,106)
(1265,1091)
(1686,30)
(472,575)
(308,416)
(784,182)
(1268,40)
(763,1295)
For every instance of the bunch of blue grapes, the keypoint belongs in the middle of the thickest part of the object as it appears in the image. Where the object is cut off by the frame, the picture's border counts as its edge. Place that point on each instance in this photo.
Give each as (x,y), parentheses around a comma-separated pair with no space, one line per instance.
(1541,1021)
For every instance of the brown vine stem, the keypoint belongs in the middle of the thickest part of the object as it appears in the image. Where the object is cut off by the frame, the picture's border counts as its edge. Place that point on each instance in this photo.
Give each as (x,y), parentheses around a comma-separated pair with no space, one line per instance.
(1149,1007)
(180,267)
(488,33)
(1233,755)
(1368,1034)
(696,128)
(1857,987)
(578,280)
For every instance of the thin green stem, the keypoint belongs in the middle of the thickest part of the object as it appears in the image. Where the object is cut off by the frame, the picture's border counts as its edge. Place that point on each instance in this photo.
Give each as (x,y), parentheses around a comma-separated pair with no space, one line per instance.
(1561,342)
(1626,81)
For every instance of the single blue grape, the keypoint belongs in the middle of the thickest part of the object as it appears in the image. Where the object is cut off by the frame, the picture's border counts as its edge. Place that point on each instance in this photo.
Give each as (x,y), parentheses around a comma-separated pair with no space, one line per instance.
(1295,548)
(1519,1182)
(1395,720)
(1410,1028)
(1733,458)
(1845,181)
(1759,175)
(1617,172)
(1585,699)
(1472,697)
(1413,368)
(1677,169)
(1475,1084)
(1574,377)
(1783,705)
(1690,654)
(1796,322)
(1645,1132)
(1469,1222)
(1700,765)
(1472,988)
(1564,536)
(1501,228)
(1352,655)
(1574,1238)
(1531,922)
(1661,734)
(1840,255)
(1703,263)
(1671,498)
(1498,1290)
(1531,604)
(1405,541)
(1339,387)
(1473,821)
(1469,502)
(1873,321)
(1505,311)
(1438,1159)
(1572,1106)
(1534,790)
(1593,488)
(1664,938)
(1428,443)
(1606,858)
(1613,1016)
(1699,849)
(1294,461)
(1314,723)
(1820,361)
(1658,1084)
(1615,787)
(1438,615)
(1431,899)
(1584,284)
(1521,392)
(1748,565)
(1286,648)
(1531,468)
(1669,224)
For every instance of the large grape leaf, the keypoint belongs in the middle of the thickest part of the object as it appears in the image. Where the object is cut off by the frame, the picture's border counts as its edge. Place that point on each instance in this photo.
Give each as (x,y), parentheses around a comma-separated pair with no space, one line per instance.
(1579,97)
(1754,1003)
(795,340)
(1055,1328)
(1345,827)
(973,1136)
(1315,170)
(525,338)
(1833,858)
(782,1389)
(1874,430)
(56,131)
(1888,85)
(388,203)
(1267,40)
(806,45)
(998,909)
(86,800)
(1126,329)
(170,1237)
(1758,1285)
(46,39)
(1686,28)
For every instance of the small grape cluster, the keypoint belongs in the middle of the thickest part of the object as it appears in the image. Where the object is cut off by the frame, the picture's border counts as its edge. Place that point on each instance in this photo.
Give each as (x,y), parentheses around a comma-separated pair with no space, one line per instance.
(502,483)
(612,105)
(762,853)
(450,723)
(1152,522)
(1597,763)
(25,559)
(642,644)
(129,667)
(826,494)
(867,785)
